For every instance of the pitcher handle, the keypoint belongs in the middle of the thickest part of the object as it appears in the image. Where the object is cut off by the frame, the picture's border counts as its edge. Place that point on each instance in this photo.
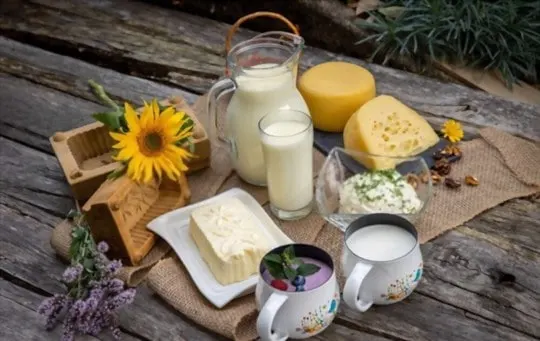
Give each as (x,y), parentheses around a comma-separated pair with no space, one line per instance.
(250,16)
(219,89)
(353,287)
(266,318)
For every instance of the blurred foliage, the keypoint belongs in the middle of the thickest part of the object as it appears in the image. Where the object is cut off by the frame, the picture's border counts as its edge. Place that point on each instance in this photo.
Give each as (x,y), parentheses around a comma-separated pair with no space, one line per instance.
(499,35)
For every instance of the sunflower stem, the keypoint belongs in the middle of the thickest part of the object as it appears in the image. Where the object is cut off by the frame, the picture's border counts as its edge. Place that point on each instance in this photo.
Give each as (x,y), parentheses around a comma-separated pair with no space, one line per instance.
(100,93)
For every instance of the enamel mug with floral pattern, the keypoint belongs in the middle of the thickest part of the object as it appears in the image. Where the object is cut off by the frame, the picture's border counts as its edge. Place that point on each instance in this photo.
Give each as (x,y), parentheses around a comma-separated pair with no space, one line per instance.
(381,260)
(300,308)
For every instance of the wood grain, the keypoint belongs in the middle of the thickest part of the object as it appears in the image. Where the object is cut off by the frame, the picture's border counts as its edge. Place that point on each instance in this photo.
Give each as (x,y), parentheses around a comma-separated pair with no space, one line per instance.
(187,51)
(18,304)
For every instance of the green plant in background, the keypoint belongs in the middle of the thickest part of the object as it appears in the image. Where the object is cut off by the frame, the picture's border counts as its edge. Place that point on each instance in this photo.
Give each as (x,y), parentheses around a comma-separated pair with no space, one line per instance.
(500,35)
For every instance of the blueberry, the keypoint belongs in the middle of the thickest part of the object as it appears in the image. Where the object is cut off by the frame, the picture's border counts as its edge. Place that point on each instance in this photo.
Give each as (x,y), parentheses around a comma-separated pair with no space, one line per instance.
(300,288)
(299,280)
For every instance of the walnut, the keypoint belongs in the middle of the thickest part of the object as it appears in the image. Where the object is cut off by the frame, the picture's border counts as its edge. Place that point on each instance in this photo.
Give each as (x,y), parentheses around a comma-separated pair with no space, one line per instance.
(446,152)
(471,180)
(435,178)
(451,183)
(413,180)
(442,166)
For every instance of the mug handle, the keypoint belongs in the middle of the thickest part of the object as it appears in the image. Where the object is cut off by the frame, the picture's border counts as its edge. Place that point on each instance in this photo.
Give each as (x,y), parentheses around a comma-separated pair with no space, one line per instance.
(353,287)
(266,318)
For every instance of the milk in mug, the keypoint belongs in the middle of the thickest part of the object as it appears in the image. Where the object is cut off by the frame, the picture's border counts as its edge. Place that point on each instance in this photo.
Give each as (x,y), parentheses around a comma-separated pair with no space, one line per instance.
(260,90)
(287,147)
(381,242)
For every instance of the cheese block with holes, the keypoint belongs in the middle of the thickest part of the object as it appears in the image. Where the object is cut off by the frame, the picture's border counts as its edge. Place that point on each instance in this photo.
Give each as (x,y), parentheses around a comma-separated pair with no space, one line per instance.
(385,126)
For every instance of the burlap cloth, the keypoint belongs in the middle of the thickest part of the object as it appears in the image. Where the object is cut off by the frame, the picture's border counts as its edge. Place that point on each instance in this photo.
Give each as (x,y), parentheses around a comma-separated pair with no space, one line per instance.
(507,167)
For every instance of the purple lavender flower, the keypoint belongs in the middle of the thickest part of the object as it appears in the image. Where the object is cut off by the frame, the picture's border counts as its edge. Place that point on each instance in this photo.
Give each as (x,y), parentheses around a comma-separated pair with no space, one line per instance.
(116,332)
(113,267)
(51,308)
(114,286)
(103,247)
(123,298)
(72,273)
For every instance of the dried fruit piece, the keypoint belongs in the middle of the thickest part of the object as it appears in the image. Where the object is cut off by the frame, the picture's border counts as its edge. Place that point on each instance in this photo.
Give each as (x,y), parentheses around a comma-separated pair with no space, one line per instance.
(435,178)
(471,180)
(451,183)
(442,166)
(413,180)
(454,150)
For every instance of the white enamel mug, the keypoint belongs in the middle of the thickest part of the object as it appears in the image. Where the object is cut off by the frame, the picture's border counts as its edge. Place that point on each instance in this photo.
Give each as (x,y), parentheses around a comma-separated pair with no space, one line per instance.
(381,281)
(296,315)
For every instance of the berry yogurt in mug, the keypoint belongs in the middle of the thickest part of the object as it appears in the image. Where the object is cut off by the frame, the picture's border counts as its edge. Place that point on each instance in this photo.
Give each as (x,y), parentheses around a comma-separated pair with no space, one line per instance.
(315,274)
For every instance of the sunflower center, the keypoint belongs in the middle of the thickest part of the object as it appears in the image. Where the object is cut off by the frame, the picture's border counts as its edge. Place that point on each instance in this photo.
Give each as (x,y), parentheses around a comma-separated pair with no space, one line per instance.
(152,143)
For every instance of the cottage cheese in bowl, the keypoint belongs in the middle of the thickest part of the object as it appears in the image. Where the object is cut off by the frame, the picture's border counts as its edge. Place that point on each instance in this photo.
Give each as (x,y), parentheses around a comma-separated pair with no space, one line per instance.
(383,191)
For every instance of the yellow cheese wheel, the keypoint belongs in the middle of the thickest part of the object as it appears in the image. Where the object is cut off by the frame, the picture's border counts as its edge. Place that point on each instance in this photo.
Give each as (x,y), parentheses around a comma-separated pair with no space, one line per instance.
(333,91)
(385,126)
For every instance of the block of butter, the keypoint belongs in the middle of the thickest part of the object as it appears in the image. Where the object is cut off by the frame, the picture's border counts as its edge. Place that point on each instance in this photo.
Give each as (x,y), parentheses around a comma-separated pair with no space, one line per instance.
(228,240)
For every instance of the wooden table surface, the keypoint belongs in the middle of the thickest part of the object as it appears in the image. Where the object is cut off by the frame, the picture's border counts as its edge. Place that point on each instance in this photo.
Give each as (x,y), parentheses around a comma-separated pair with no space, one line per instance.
(481,282)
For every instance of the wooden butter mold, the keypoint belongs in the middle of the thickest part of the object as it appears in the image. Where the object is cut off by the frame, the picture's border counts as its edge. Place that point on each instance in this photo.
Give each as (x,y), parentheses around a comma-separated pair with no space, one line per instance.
(120,209)
(85,153)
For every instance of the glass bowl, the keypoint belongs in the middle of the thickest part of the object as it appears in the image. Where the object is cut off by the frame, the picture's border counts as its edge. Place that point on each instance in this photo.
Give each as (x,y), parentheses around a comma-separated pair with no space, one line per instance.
(352,184)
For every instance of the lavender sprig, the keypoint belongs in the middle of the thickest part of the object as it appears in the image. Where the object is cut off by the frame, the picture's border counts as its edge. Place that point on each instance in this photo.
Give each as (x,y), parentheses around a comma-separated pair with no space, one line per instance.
(94,296)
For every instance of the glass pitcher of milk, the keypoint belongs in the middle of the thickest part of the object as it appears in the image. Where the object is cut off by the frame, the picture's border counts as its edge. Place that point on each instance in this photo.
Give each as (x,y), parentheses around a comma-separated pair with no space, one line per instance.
(262,79)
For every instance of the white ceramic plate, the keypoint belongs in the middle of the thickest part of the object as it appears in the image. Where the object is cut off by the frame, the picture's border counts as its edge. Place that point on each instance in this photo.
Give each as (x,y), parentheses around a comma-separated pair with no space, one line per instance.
(174,228)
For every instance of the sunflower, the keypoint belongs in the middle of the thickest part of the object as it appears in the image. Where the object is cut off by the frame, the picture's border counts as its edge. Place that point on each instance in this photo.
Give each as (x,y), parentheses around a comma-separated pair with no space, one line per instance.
(150,145)
(452,130)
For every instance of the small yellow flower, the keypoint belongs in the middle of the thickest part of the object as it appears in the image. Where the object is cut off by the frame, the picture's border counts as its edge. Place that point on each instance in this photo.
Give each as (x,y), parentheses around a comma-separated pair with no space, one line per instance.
(452,131)
(149,147)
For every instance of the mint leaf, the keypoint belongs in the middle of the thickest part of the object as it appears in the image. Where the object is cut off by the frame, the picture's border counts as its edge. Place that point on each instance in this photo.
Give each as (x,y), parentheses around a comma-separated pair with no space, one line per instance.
(307,269)
(288,255)
(274,258)
(274,269)
(290,273)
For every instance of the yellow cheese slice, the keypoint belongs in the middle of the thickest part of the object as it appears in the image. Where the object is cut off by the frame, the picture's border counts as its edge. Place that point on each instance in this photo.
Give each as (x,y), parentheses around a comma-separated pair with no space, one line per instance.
(333,91)
(385,126)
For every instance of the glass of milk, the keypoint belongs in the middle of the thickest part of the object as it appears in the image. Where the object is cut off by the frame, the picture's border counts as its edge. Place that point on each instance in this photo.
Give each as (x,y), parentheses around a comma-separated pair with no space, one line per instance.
(287,143)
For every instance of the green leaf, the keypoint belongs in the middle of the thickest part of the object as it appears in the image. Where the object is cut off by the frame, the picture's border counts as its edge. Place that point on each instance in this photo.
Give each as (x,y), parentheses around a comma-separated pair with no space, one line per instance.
(88,264)
(274,258)
(307,269)
(276,270)
(110,119)
(117,173)
(288,253)
(289,273)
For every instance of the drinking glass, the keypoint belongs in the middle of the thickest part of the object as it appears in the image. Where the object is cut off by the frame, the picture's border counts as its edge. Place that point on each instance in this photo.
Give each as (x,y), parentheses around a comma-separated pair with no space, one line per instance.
(287,143)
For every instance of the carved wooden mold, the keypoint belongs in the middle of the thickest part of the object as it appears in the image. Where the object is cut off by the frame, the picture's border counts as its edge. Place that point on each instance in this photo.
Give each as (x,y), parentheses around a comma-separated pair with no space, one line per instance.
(120,209)
(85,153)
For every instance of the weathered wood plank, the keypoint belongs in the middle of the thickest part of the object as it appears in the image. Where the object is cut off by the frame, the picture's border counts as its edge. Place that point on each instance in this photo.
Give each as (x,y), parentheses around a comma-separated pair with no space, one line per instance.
(420,318)
(19,305)
(187,50)
(37,181)
(70,75)
(486,275)
(26,254)
(33,113)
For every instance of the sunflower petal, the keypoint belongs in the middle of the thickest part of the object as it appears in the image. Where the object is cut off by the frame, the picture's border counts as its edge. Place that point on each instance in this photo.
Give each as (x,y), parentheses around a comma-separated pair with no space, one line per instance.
(155,109)
(132,119)
(117,136)
(166,115)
